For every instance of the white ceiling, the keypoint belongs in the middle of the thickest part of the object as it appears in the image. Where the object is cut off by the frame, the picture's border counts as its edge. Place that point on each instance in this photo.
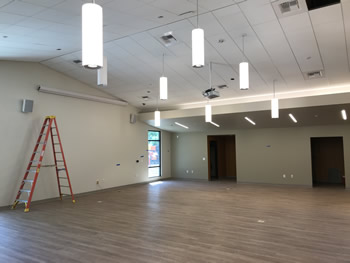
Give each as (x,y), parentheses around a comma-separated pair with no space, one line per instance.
(277,48)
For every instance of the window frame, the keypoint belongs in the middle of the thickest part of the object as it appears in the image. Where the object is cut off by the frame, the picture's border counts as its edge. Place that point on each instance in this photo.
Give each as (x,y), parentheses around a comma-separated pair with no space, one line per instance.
(160,153)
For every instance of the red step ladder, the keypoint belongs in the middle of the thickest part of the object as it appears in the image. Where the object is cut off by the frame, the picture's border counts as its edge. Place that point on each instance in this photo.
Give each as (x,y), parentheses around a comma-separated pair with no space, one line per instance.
(27,187)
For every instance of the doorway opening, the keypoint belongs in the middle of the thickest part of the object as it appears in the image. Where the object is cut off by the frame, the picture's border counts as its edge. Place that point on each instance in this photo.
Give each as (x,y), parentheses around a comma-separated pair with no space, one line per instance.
(327,155)
(222,157)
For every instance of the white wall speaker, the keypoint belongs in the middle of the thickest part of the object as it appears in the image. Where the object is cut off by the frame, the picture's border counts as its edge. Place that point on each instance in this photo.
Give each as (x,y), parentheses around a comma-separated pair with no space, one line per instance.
(132,118)
(27,106)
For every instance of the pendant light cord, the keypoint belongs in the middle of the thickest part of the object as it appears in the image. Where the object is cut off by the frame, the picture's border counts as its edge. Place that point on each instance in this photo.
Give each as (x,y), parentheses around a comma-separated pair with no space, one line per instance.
(197,15)
(274,89)
(243,47)
(163,64)
(210,71)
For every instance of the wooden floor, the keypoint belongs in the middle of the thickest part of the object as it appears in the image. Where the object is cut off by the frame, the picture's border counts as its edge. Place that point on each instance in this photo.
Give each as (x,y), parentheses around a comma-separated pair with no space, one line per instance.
(183,221)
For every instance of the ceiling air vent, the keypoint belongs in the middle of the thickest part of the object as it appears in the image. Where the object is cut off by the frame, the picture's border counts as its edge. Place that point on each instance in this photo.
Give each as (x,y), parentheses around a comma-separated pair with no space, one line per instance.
(168,39)
(289,6)
(314,74)
(285,8)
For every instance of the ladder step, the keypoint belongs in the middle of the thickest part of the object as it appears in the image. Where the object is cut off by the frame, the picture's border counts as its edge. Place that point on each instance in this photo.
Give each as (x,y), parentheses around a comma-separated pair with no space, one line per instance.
(41,134)
(61,161)
(25,191)
(63,178)
(34,161)
(54,135)
(36,152)
(41,143)
(28,181)
(31,171)
(62,169)
(58,152)
(67,186)
(53,127)
(22,201)
(56,143)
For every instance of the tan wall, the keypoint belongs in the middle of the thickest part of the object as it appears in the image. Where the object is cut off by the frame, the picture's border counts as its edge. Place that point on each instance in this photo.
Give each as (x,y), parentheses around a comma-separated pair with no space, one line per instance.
(263,155)
(95,136)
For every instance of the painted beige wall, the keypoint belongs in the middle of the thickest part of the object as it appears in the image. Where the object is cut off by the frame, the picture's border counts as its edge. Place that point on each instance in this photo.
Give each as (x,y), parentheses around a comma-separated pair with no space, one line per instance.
(263,155)
(95,136)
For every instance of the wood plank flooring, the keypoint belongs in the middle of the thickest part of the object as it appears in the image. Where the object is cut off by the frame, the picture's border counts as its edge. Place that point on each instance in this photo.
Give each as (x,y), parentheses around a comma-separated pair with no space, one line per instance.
(183,221)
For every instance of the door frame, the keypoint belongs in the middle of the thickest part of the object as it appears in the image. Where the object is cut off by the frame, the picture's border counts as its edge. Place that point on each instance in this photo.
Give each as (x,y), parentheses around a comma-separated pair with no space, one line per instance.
(209,138)
(312,162)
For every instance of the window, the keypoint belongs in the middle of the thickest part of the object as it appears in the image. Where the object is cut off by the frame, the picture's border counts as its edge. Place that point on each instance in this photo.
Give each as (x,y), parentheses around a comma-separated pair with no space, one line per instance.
(154,154)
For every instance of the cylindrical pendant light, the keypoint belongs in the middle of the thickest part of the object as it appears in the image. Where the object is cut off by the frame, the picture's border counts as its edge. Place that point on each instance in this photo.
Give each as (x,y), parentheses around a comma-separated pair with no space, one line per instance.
(163,85)
(157,118)
(198,45)
(244,75)
(274,108)
(274,104)
(92,36)
(208,113)
(102,74)
(243,70)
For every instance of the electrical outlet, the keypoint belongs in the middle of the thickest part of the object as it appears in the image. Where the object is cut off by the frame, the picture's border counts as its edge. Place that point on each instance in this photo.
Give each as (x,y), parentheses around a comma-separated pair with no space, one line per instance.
(97,182)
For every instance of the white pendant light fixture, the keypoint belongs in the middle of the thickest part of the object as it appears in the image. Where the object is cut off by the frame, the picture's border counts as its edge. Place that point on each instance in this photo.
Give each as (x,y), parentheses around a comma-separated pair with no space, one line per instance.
(274,104)
(163,85)
(102,74)
(208,113)
(344,115)
(243,70)
(198,45)
(157,118)
(92,36)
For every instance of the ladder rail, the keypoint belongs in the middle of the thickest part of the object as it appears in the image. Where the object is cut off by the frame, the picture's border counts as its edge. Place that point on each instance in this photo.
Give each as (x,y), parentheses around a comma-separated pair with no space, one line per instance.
(55,159)
(39,165)
(32,158)
(64,162)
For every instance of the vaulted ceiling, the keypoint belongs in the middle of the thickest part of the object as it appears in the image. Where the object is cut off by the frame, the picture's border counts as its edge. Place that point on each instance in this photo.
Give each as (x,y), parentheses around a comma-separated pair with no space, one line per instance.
(278,46)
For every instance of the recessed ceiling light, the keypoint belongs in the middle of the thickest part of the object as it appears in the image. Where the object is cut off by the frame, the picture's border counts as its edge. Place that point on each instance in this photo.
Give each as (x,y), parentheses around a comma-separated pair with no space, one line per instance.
(316,116)
(160,17)
(215,124)
(232,78)
(250,121)
(292,117)
(181,125)
(221,40)
(344,115)
(148,91)
(58,49)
